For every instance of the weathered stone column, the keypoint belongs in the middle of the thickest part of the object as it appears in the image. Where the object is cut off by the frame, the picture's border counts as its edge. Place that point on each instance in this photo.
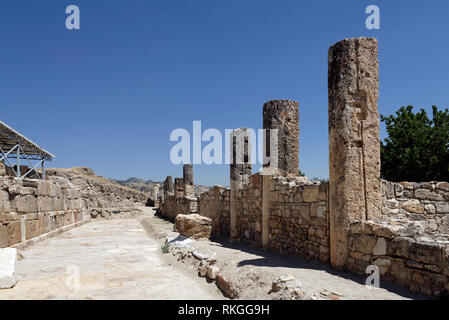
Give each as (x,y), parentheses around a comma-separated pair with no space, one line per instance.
(179,187)
(187,171)
(282,115)
(168,187)
(354,143)
(156,195)
(240,170)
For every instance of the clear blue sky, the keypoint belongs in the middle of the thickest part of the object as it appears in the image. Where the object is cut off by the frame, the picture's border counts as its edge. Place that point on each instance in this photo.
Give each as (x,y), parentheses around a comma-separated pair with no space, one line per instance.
(108,95)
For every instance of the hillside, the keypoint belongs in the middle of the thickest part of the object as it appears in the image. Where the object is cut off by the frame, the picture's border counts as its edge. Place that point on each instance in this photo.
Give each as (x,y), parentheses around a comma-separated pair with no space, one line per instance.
(147,185)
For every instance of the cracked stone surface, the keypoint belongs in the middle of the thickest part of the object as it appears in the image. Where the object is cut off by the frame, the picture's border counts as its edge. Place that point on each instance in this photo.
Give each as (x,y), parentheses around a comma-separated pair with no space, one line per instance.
(116,260)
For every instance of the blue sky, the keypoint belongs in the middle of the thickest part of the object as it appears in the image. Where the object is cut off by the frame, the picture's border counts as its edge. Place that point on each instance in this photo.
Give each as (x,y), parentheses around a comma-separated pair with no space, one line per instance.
(108,95)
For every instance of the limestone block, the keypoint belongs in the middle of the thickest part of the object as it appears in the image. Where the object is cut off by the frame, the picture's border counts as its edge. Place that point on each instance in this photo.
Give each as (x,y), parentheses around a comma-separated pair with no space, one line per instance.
(392,204)
(442,207)
(8,259)
(427,253)
(43,188)
(193,225)
(384,265)
(389,190)
(363,243)
(310,193)
(25,204)
(32,229)
(212,272)
(422,193)
(3,236)
(227,286)
(4,201)
(381,247)
(399,190)
(443,186)
(14,232)
(429,208)
(413,206)
(407,185)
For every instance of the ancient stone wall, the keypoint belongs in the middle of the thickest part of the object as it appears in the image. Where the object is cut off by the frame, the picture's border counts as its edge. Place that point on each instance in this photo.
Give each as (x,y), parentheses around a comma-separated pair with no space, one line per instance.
(299,218)
(248,208)
(174,205)
(240,171)
(425,203)
(214,204)
(32,207)
(419,263)
(354,221)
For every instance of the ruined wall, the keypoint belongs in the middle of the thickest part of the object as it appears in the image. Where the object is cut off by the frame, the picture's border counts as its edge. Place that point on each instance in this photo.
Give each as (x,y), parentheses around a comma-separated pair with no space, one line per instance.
(174,205)
(299,218)
(426,203)
(29,208)
(32,207)
(214,204)
(248,208)
(419,263)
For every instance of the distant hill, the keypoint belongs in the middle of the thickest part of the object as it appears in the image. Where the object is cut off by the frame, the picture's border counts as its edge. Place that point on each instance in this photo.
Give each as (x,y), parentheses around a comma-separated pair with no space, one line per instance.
(147,185)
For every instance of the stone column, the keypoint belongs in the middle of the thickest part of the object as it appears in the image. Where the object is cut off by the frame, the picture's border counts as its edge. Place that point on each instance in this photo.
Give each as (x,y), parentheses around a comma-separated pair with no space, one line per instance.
(156,195)
(187,171)
(282,115)
(168,187)
(240,170)
(354,143)
(179,187)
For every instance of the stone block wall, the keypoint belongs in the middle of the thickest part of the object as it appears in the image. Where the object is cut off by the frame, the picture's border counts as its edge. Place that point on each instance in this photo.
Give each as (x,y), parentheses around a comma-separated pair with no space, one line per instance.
(248,206)
(298,218)
(32,207)
(214,204)
(298,215)
(174,205)
(426,203)
(417,262)
(29,208)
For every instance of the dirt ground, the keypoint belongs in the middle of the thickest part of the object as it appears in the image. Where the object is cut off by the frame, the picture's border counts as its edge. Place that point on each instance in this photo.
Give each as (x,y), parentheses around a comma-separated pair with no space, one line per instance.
(250,271)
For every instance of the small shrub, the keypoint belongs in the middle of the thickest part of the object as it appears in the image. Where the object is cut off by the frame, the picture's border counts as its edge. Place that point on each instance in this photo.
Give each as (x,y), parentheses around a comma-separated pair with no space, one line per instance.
(164,248)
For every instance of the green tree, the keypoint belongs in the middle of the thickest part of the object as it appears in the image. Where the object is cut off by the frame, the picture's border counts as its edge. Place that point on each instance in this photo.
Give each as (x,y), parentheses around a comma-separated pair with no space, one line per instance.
(417,148)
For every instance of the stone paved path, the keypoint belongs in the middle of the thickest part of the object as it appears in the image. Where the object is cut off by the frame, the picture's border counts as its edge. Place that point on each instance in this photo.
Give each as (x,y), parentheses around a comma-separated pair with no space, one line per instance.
(116,260)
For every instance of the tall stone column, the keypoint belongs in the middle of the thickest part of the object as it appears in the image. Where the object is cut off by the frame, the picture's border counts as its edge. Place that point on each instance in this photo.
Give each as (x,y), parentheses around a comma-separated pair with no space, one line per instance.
(240,170)
(179,187)
(282,115)
(187,171)
(156,195)
(354,143)
(168,187)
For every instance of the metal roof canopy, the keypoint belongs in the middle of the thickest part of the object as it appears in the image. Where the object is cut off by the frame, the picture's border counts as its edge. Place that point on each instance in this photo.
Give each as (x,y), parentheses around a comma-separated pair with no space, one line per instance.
(14,145)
